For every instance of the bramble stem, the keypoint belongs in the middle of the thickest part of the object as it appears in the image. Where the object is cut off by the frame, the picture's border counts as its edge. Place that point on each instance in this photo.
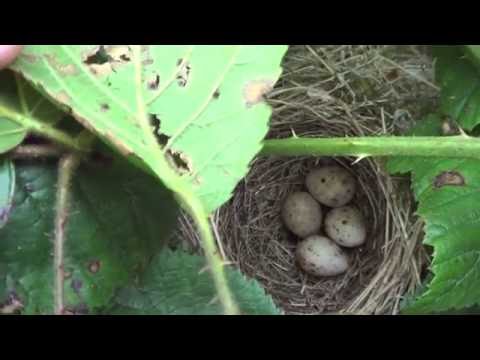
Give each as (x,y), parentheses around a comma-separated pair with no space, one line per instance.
(66,168)
(461,146)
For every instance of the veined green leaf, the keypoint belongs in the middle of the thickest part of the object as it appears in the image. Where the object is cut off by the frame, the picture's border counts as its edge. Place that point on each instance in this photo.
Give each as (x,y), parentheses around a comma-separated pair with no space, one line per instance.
(447,190)
(20,98)
(448,197)
(174,284)
(199,107)
(113,231)
(11,134)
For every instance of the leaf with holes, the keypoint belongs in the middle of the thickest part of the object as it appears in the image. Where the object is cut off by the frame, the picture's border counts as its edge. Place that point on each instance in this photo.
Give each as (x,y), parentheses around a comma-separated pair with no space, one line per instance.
(7,189)
(447,190)
(448,197)
(174,284)
(197,108)
(112,233)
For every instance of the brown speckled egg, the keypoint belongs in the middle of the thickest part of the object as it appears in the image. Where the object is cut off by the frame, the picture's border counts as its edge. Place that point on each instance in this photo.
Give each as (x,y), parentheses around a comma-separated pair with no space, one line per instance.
(301,214)
(319,256)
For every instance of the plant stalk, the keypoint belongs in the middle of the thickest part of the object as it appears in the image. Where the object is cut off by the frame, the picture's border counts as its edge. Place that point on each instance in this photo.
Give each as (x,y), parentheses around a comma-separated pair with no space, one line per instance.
(212,254)
(461,146)
(66,168)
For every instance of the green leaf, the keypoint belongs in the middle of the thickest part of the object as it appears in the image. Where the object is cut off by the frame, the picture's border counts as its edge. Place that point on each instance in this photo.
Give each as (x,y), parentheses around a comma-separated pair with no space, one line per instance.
(21,97)
(448,197)
(7,189)
(176,284)
(11,134)
(460,85)
(113,231)
(17,97)
(446,190)
(473,53)
(207,99)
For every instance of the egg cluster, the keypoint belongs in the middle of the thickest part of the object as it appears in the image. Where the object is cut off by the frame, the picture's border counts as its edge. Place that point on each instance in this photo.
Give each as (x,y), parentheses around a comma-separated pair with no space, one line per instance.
(330,190)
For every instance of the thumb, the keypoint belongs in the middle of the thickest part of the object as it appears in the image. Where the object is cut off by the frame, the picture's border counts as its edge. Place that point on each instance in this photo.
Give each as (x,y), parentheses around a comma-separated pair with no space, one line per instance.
(8,53)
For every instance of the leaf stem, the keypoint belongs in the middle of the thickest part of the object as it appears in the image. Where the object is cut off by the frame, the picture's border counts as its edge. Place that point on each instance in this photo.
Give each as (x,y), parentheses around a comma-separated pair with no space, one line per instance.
(66,168)
(38,127)
(192,204)
(461,146)
(213,257)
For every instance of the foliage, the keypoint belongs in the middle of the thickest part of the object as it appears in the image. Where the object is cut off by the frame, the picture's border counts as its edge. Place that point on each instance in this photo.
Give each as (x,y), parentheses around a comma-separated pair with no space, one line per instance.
(113,230)
(191,116)
(182,124)
(175,284)
(447,192)
(183,93)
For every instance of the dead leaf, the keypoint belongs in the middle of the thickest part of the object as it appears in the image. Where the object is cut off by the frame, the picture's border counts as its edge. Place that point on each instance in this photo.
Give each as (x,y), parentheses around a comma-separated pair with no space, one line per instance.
(255,90)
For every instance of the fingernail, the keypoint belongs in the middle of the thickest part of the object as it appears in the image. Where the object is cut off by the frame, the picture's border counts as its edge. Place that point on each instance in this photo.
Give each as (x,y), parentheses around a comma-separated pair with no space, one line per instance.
(8,53)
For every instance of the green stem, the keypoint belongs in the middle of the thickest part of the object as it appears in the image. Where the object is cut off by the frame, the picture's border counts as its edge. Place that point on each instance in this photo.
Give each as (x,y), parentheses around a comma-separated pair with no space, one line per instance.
(191,203)
(462,146)
(194,206)
(40,128)
(67,166)
(212,254)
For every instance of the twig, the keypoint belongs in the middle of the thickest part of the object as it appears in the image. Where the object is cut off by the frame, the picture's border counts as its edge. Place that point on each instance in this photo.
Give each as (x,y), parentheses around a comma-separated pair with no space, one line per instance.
(66,168)
(36,151)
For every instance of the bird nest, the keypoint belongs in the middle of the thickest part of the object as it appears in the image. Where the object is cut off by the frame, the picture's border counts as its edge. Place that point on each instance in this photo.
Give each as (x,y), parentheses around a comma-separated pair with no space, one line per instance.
(334,91)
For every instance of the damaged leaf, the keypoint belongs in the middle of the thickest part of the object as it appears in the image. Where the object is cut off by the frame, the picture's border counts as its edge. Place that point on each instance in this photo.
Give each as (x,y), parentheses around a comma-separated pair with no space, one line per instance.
(449,178)
(208,100)
(448,201)
(447,190)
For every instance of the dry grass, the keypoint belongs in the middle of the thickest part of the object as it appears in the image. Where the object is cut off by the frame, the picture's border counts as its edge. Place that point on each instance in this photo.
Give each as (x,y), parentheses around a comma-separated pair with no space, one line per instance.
(329,91)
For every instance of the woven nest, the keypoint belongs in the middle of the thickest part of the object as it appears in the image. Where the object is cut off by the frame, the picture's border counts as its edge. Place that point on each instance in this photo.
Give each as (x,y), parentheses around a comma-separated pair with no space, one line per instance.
(334,91)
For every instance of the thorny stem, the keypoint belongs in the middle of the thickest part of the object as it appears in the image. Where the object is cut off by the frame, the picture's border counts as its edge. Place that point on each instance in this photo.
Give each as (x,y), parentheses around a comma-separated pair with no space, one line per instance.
(187,197)
(66,168)
(213,257)
(461,146)
(192,204)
